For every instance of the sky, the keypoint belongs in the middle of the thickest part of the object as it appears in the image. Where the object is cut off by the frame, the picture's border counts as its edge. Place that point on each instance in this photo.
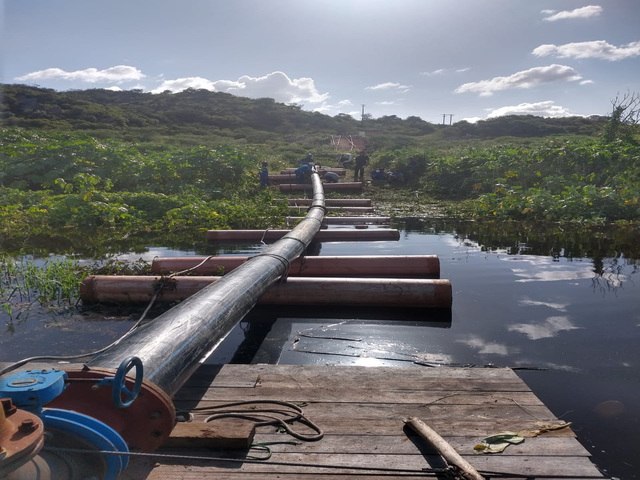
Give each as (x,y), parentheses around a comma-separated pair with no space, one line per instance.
(440,60)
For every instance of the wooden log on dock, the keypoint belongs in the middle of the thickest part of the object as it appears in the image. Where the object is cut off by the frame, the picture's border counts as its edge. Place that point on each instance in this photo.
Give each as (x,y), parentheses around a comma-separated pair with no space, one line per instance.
(333,202)
(466,470)
(328,187)
(329,291)
(407,266)
(371,220)
(332,235)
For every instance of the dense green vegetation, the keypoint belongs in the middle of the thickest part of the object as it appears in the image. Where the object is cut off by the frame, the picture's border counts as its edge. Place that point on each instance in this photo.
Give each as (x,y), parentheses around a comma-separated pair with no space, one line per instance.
(63,186)
(86,170)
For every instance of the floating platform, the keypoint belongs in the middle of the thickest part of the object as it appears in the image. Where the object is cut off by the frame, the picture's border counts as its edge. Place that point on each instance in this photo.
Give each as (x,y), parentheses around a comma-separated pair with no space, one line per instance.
(322,170)
(342,186)
(333,202)
(333,235)
(345,209)
(361,411)
(363,220)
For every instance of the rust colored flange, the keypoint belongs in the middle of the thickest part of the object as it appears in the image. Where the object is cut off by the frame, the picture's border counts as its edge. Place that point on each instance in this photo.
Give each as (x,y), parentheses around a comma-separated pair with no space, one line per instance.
(144,425)
(21,436)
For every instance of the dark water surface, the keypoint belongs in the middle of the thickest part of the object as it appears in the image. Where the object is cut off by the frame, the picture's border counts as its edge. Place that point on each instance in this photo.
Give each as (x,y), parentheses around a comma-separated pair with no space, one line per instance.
(561,306)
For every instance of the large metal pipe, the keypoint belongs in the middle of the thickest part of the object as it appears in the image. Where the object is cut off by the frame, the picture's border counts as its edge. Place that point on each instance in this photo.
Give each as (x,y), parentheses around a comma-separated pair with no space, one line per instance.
(172,346)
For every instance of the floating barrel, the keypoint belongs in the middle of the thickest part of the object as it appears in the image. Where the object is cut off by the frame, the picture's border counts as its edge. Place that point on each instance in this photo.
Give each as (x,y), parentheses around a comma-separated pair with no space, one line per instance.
(343,186)
(335,291)
(334,235)
(408,266)
(349,209)
(335,202)
(347,220)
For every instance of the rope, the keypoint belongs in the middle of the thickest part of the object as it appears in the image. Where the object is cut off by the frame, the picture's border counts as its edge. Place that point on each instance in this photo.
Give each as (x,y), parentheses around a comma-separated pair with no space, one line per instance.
(264,235)
(191,269)
(157,290)
(427,472)
(279,417)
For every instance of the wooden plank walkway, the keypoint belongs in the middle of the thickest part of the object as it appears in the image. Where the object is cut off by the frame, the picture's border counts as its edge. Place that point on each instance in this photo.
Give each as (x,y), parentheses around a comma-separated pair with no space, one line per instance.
(361,412)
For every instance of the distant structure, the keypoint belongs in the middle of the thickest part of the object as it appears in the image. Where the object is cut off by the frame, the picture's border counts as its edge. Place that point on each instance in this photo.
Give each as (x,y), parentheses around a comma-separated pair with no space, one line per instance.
(444,115)
(348,142)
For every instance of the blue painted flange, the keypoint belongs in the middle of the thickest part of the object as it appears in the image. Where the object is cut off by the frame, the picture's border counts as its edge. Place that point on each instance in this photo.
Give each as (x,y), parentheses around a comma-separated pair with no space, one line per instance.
(32,389)
(99,435)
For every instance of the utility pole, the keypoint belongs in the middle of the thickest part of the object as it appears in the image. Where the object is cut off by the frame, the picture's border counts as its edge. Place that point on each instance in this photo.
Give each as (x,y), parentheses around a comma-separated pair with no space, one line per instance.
(450,118)
(444,116)
(362,113)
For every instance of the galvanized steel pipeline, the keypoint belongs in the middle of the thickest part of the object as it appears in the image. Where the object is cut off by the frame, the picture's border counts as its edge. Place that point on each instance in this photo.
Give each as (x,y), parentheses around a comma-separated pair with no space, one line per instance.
(173,345)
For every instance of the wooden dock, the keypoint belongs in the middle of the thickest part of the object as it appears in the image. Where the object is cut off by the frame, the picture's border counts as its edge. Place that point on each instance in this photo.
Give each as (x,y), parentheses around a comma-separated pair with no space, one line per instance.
(361,412)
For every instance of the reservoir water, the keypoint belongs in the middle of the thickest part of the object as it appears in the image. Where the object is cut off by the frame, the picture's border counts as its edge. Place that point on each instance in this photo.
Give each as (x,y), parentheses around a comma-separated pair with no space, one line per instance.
(561,307)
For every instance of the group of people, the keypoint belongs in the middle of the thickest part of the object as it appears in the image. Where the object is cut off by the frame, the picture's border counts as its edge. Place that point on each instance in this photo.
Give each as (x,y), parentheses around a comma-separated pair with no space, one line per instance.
(306,164)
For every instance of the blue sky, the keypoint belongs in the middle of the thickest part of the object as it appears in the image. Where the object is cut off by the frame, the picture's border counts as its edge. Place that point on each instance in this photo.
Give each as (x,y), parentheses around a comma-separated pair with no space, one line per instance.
(473,59)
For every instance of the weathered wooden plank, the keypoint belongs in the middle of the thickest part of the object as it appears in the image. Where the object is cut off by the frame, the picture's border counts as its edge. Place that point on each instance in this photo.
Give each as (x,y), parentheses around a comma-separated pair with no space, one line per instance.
(222,434)
(356,412)
(406,444)
(477,428)
(339,464)
(328,372)
(352,395)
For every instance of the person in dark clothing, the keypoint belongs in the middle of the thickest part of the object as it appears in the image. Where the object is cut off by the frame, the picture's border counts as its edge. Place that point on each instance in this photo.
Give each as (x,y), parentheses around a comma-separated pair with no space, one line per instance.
(264,175)
(361,161)
(303,173)
(331,177)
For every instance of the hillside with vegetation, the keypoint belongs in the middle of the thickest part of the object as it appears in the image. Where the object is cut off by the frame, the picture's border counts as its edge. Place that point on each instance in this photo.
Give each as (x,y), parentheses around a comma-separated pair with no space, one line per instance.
(112,166)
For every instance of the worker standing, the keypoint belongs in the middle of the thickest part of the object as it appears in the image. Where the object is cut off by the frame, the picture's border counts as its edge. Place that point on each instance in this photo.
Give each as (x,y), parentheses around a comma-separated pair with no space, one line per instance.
(361,161)
(264,175)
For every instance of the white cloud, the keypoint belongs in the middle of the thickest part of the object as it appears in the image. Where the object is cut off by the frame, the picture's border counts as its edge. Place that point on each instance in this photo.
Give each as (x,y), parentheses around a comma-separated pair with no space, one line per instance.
(390,86)
(547,329)
(582,12)
(180,84)
(594,49)
(276,85)
(386,102)
(540,109)
(523,79)
(118,74)
(443,71)
(433,73)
